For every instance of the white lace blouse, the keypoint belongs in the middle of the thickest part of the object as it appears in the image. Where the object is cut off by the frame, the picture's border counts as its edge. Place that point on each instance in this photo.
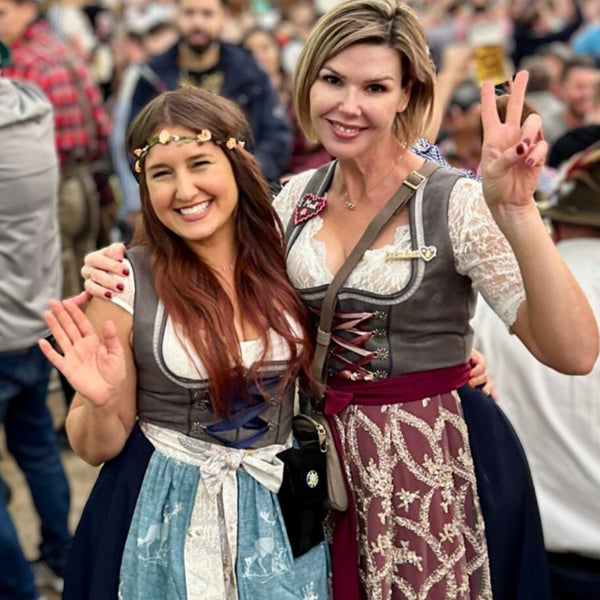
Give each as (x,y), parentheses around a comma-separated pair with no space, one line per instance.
(481,252)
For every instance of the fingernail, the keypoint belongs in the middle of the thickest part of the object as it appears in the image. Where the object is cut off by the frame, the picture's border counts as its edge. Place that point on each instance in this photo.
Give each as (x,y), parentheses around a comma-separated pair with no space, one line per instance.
(530,162)
(107,295)
(120,259)
(520,149)
(526,141)
(125,272)
(120,287)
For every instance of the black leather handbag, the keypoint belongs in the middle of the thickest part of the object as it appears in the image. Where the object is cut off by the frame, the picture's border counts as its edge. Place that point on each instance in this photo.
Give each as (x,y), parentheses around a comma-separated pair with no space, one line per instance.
(303,492)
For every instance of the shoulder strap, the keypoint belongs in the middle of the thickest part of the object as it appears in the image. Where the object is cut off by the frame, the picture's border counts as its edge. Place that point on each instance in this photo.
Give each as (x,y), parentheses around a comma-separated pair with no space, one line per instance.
(413,182)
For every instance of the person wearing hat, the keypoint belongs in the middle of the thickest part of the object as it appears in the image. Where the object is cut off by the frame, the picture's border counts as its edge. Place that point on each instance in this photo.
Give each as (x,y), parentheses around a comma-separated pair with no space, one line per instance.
(557,416)
(31,275)
(574,208)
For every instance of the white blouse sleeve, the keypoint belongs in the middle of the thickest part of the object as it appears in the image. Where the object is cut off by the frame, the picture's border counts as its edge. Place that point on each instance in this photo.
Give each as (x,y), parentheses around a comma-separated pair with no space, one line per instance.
(482,253)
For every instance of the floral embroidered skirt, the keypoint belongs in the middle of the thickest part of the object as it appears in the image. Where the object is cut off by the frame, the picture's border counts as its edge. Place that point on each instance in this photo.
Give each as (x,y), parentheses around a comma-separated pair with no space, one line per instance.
(201,522)
(420,530)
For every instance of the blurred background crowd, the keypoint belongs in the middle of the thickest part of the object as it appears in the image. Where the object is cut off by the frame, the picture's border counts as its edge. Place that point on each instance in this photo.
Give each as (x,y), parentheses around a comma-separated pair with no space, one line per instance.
(557,41)
(99,61)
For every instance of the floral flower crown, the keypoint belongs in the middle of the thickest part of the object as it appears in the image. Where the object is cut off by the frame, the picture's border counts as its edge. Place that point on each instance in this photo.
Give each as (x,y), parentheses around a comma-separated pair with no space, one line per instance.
(164,137)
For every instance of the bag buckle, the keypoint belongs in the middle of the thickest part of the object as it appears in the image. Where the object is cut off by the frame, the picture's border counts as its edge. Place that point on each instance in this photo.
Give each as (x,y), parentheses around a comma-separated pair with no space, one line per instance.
(322,435)
(414,185)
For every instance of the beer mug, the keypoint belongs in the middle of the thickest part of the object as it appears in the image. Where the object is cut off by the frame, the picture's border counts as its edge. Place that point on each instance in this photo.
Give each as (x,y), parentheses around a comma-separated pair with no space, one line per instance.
(491,62)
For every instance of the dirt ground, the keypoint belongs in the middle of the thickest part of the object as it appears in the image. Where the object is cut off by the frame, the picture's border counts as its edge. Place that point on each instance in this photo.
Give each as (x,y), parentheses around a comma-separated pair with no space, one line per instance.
(81,478)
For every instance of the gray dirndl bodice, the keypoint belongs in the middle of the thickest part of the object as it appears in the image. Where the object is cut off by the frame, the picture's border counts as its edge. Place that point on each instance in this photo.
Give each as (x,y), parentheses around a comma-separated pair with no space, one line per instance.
(421,327)
(174,402)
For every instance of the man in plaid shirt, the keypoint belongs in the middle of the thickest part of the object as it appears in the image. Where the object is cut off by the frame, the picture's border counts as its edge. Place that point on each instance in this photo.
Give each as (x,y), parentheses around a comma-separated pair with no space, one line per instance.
(81,124)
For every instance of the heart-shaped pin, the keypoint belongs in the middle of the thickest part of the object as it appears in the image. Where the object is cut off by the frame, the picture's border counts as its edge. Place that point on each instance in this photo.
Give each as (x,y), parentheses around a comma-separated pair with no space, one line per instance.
(427,252)
(308,207)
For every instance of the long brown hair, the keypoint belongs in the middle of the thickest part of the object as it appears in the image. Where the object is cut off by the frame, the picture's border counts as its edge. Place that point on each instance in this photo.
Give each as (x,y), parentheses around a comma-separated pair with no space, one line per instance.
(188,289)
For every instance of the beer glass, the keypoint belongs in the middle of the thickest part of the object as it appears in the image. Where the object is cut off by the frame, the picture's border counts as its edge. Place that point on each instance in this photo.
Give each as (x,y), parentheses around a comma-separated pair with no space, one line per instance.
(491,62)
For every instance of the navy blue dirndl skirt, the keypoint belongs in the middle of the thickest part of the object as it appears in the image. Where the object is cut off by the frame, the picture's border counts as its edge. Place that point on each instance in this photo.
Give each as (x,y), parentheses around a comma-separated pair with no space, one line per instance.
(92,571)
(513,529)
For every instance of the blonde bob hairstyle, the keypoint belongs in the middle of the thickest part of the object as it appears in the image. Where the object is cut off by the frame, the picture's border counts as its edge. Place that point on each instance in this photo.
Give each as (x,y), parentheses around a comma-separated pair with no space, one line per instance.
(378,22)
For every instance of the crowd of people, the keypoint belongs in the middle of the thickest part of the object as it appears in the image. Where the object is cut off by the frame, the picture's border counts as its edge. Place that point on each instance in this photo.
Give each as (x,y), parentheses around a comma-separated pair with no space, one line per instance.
(234,153)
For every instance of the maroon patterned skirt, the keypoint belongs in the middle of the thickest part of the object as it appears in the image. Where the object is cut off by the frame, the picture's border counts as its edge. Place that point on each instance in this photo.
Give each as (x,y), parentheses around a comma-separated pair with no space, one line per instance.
(416,512)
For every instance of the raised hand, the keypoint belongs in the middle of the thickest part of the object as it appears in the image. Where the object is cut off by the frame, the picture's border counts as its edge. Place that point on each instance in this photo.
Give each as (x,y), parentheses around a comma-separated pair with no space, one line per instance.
(512,155)
(95,368)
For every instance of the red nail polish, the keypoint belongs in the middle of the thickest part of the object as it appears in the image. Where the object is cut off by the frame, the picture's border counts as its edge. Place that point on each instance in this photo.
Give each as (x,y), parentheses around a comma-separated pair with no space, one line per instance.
(120,287)
(125,272)
(526,141)
(107,295)
(529,162)
(520,149)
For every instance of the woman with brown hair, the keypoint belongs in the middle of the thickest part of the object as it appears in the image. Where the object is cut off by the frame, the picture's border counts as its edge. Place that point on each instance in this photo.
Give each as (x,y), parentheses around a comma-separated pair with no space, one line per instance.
(185,382)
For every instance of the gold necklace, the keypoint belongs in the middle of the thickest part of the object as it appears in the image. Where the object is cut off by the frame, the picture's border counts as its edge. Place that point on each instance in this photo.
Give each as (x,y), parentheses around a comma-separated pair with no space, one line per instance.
(224,268)
(351,205)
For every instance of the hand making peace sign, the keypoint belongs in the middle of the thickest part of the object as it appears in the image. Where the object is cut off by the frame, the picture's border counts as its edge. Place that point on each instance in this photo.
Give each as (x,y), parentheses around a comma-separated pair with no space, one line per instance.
(513,154)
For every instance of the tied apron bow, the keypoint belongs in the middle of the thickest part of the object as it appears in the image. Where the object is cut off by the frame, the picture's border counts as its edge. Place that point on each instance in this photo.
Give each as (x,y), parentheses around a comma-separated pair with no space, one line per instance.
(263,465)
(214,515)
(218,463)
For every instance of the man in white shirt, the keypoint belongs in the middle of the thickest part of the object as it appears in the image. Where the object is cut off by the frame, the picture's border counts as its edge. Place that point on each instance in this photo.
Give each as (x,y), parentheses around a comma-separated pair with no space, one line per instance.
(558,416)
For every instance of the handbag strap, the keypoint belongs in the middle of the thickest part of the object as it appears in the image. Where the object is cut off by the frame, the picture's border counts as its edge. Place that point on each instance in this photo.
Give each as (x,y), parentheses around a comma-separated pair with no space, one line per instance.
(413,181)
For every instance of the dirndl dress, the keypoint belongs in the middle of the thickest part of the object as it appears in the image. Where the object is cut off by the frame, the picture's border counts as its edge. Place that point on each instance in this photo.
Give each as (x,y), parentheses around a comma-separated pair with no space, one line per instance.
(414,501)
(177,517)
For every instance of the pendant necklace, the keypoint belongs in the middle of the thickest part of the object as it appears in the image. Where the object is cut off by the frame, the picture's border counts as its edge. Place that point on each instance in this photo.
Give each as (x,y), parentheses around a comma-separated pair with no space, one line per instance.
(352,205)
(349,204)
(224,268)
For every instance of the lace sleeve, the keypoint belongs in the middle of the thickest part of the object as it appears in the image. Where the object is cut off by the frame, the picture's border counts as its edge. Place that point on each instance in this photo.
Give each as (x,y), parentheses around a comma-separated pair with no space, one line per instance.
(482,253)
(287,198)
(125,298)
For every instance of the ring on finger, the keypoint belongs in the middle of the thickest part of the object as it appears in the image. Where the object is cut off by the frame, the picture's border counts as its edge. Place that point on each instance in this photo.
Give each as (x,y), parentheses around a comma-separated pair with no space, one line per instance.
(88,272)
